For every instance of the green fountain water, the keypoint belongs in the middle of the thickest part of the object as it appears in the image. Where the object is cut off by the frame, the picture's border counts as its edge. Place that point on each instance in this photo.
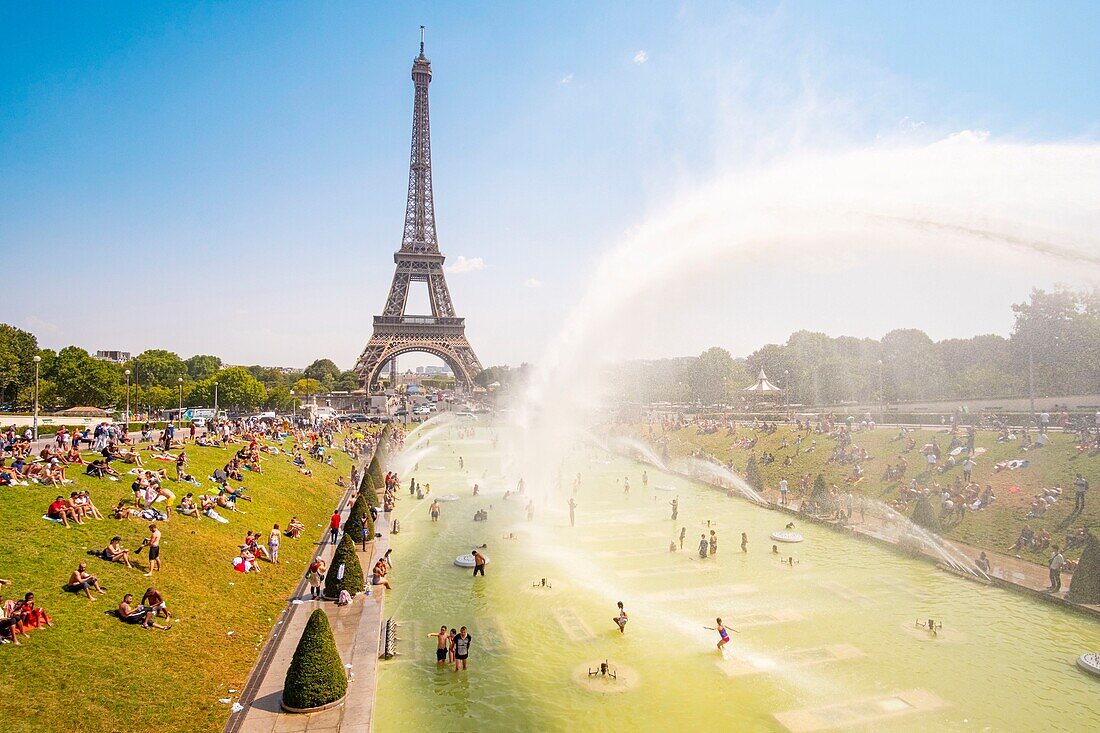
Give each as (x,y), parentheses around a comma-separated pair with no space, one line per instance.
(830,643)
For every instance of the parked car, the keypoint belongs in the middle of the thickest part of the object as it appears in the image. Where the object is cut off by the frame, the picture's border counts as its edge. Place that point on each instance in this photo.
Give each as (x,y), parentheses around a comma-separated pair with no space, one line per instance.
(358,417)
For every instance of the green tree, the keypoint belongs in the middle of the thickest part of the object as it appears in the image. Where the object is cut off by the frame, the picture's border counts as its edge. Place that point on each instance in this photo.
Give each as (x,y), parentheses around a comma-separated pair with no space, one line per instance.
(17,351)
(324,371)
(238,389)
(345,572)
(82,380)
(713,376)
(278,398)
(346,382)
(203,366)
(1085,587)
(304,387)
(157,366)
(316,674)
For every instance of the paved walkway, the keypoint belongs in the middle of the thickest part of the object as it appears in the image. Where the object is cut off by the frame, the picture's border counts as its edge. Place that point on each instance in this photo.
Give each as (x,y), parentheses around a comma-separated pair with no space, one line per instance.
(357,629)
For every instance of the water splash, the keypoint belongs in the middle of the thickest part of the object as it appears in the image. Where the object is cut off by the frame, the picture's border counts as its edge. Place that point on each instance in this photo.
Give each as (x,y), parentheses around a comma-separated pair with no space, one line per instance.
(635,446)
(929,541)
(697,468)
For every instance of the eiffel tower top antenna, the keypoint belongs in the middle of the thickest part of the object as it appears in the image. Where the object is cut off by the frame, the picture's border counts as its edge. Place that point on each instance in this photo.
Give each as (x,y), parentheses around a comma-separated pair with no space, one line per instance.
(421,40)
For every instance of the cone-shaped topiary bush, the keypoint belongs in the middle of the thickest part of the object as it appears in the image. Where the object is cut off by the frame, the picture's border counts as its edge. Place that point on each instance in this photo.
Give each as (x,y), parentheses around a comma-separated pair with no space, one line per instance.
(752,475)
(820,498)
(316,674)
(375,471)
(1085,587)
(924,515)
(370,491)
(347,558)
(358,518)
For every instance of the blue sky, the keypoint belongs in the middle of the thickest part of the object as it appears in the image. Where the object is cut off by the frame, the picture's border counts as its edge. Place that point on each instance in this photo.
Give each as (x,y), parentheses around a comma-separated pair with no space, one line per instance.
(230,178)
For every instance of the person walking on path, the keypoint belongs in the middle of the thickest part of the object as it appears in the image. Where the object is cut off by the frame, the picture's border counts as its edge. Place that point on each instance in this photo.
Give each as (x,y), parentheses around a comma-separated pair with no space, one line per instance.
(1080,486)
(1055,565)
(316,575)
(334,526)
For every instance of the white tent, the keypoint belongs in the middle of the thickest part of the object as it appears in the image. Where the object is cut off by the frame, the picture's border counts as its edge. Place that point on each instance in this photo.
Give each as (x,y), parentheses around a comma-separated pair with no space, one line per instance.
(762,386)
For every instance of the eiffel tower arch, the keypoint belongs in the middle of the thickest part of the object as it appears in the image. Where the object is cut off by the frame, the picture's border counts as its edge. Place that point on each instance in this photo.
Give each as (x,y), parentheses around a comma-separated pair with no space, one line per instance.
(440,333)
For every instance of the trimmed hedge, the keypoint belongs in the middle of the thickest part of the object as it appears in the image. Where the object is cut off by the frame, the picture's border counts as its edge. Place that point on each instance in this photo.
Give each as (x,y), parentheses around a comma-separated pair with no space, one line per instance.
(358,518)
(353,572)
(316,674)
(1086,578)
(924,515)
(752,474)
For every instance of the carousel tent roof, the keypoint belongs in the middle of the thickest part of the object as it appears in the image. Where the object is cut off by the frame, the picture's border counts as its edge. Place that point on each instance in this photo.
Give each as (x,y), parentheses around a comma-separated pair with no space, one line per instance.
(762,386)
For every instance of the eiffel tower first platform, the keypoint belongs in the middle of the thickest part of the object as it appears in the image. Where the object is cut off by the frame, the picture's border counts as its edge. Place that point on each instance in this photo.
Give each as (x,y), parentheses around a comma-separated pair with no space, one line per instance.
(442,333)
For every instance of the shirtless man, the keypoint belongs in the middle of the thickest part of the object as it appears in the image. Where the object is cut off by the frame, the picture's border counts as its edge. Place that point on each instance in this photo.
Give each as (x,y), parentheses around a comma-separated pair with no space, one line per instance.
(443,645)
(433,510)
(82,580)
(154,602)
(154,549)
(137,615)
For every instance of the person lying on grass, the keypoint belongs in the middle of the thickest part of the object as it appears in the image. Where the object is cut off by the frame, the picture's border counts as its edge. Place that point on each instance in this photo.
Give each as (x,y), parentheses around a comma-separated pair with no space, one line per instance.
(122,511)
(139,615)
(82,580)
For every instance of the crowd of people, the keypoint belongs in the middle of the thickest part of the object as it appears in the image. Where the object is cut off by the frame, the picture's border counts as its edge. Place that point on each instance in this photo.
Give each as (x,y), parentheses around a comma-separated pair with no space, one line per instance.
(102,449)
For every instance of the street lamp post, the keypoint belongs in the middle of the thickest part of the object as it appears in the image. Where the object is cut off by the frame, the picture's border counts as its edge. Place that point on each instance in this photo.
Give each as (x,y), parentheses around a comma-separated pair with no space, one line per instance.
(179,418)
(293,408)
(787,389)
(882,391)
(37,361)
(215,400)
(127,373)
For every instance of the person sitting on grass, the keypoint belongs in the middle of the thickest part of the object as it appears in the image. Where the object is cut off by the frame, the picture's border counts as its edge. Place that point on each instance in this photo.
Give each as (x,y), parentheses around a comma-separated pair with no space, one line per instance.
(378,576)
(139,615)
(153,601)
(127,456)
(295,528)
(99,469)
(82,580)
(115,552)
(30,615)
(11,625)
(59,512)
(252,544)
(187,507)
(73,455)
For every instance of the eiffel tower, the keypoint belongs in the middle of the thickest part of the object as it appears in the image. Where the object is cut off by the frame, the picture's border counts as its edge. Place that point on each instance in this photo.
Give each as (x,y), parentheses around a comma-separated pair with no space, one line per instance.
(440,334)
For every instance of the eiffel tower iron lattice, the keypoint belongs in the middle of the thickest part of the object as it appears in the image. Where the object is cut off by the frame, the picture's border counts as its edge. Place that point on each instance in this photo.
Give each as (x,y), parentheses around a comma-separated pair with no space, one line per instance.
(441,334)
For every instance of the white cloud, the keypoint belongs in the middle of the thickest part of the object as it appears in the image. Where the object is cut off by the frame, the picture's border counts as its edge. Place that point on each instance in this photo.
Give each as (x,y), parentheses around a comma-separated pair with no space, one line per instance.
(566,79)
(532,282)
(641,57)
(463,264)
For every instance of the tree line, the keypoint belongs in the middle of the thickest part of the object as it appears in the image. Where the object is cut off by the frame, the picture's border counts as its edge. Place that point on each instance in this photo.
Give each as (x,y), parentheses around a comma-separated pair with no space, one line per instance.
(1054,343)
(72,377)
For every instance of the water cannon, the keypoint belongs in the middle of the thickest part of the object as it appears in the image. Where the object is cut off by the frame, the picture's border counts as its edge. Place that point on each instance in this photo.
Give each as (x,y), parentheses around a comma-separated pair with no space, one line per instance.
(604,670)
(542,583)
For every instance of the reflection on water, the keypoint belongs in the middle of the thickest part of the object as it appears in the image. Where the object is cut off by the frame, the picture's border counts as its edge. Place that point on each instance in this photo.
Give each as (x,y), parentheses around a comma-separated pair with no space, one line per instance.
(828,642)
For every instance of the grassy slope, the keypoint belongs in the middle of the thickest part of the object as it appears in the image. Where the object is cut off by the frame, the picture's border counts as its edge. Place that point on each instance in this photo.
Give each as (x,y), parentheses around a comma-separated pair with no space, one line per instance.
(996,528)
(94,673)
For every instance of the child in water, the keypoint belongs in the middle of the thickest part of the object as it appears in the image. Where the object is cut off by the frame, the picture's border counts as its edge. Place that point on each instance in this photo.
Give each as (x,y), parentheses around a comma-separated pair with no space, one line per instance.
(724,637)
(621,619)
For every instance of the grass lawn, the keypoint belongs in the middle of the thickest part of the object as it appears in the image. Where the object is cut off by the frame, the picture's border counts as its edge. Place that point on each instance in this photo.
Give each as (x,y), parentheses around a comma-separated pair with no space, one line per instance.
(995,528)
(94,673)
